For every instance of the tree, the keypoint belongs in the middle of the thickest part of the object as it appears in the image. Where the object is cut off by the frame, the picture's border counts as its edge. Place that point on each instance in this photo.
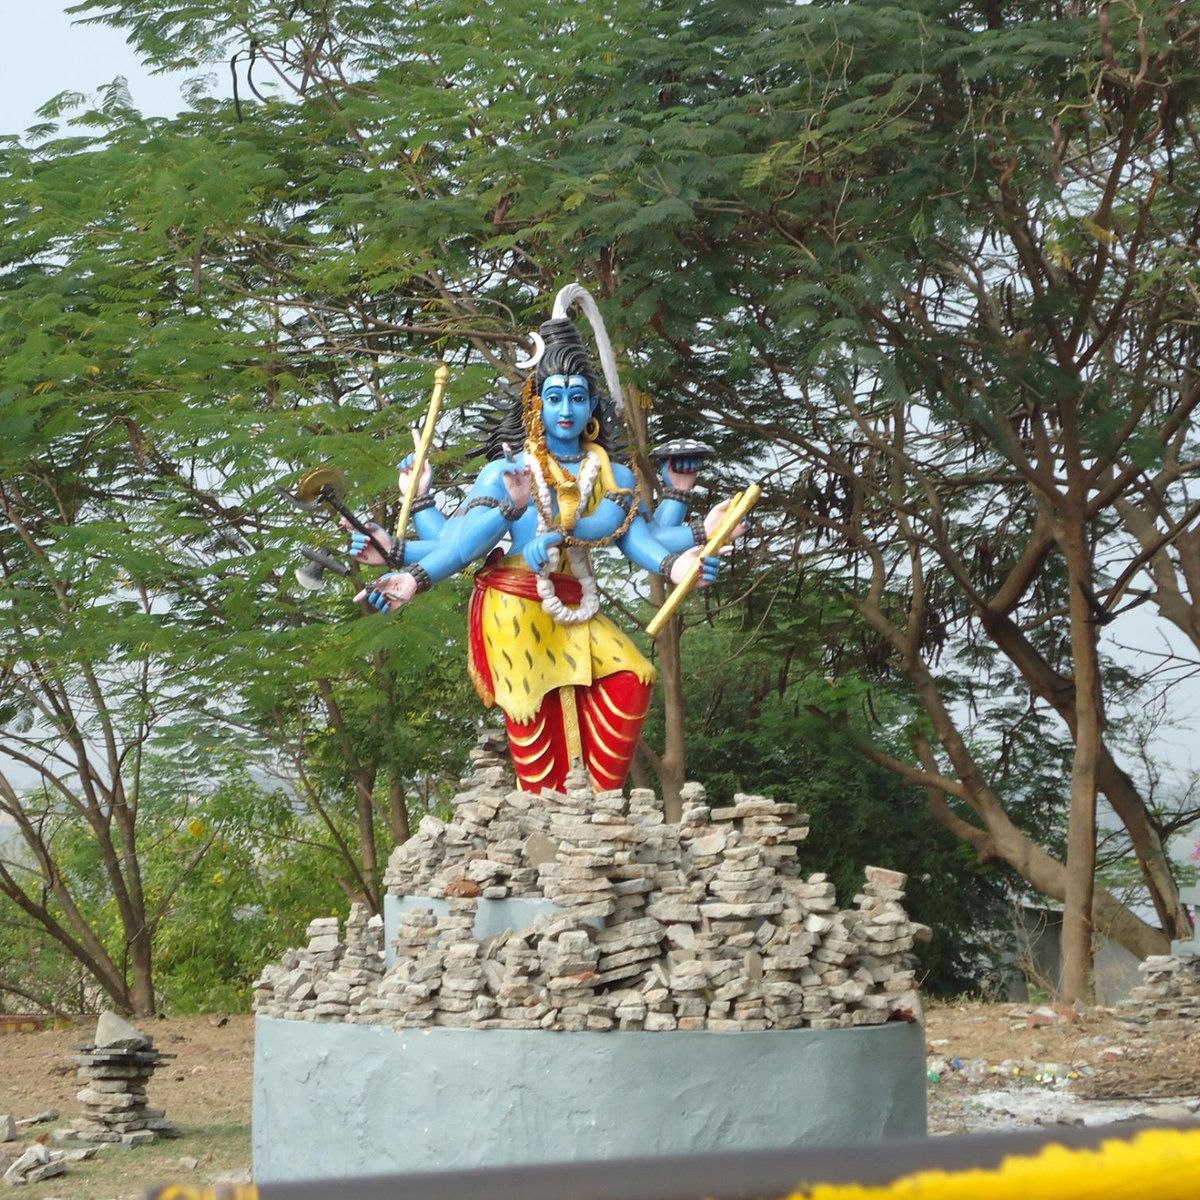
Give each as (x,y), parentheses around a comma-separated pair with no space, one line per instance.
(931,264)
(424,164)
(964,239)
(146,559)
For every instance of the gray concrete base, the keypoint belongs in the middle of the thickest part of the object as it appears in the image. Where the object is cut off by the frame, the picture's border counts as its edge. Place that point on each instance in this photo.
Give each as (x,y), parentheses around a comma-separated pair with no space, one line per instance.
(334,1100)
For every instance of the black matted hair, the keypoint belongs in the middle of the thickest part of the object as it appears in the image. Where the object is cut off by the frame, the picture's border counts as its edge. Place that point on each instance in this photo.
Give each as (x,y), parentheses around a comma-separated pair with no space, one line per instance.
(564,354)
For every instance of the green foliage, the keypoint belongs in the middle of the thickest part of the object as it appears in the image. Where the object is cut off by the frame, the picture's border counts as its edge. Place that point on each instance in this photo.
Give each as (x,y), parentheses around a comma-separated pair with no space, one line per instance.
(38,975)
(232,874)
(267,872)
(908,260)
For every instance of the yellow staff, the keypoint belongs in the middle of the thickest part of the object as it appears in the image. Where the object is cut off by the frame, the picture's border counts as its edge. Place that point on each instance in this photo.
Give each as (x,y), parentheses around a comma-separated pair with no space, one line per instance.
(441,377)
(739,506)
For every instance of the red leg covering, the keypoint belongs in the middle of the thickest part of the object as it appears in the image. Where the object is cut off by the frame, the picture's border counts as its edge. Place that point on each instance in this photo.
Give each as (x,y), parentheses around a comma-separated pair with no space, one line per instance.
(539,748)
(611,715)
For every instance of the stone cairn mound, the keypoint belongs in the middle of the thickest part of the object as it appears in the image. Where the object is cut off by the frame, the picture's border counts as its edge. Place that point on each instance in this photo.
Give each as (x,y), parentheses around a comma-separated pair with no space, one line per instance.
(114,1071)
(705,924)
(1170,991)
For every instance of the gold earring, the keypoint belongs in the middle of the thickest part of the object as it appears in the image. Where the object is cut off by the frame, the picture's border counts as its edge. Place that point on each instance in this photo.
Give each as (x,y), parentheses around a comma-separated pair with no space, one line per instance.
(592,429)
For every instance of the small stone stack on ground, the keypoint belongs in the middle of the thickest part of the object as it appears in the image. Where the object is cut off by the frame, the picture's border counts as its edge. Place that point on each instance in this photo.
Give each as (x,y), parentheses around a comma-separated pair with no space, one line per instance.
(115,1071)
(708,923)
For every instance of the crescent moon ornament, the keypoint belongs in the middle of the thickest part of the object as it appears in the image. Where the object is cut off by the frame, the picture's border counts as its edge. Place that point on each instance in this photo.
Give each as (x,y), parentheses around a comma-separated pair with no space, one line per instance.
(539,348)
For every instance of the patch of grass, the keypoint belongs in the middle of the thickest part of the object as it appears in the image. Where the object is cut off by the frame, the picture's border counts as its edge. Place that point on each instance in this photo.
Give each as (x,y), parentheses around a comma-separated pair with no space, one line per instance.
(114,1174)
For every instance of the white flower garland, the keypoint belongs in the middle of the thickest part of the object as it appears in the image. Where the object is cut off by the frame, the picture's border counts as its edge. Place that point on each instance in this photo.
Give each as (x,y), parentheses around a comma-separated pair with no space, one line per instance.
(580,560)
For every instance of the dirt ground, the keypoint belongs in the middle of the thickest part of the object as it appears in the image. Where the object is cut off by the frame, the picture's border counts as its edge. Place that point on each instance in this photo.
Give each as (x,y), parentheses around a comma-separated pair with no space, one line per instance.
(205,1090)
(992,1066)
(1000,1066)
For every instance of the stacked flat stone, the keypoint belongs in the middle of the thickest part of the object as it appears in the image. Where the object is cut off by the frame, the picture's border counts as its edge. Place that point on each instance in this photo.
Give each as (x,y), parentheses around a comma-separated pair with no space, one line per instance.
(306,984)
(407,994)
(1170,990)
(482,851)
(595,873)
(339,989)
(511,965)
(704,924)
(115,1071)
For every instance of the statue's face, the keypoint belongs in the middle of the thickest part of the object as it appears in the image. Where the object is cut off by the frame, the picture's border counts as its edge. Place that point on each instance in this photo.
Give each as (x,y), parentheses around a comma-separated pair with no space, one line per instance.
(566,406)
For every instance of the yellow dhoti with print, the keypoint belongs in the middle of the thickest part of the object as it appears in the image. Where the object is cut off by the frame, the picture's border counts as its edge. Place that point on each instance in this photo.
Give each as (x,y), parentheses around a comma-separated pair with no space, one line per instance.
(569,692)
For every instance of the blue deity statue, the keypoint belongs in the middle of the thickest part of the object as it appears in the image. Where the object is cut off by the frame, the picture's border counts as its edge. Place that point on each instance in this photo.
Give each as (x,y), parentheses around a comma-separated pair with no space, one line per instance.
(572,685)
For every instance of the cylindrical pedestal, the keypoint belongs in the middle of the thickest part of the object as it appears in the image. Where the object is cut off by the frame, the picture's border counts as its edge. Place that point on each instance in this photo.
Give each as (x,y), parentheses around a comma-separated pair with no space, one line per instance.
(338,1100)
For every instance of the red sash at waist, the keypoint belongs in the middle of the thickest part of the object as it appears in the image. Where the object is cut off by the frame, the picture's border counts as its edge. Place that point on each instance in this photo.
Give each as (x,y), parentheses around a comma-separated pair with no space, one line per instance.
(520,581)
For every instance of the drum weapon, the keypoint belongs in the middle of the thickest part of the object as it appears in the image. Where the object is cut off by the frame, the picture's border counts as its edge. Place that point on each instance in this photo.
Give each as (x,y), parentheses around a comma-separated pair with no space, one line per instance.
(327,485)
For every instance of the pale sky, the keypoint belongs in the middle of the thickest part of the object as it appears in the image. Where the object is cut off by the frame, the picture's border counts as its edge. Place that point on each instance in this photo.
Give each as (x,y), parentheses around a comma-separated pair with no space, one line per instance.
(45,53)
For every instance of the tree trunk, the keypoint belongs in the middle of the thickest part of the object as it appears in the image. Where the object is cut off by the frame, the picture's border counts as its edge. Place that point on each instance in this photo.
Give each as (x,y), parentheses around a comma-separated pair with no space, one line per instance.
(364,801)
(1081,827)
(141,989)
(1118,789)
(398,814)
(672,765)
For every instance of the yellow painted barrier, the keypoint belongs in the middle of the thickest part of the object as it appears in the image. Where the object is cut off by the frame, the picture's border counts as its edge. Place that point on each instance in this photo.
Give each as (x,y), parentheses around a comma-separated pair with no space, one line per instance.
(1155,1165)
(241,1191)
(1119,1163)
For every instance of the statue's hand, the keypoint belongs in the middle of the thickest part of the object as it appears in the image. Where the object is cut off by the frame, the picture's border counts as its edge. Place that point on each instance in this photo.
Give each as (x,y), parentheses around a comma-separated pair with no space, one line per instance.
(424,480)
(710,567)
(518,481)
(362,549)
(537,551)
(680,472)
(390,592)
(713,519)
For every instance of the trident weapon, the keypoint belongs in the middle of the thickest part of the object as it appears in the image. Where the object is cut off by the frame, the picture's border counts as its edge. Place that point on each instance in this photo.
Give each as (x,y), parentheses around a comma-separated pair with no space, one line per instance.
(739,506)
(441,376)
